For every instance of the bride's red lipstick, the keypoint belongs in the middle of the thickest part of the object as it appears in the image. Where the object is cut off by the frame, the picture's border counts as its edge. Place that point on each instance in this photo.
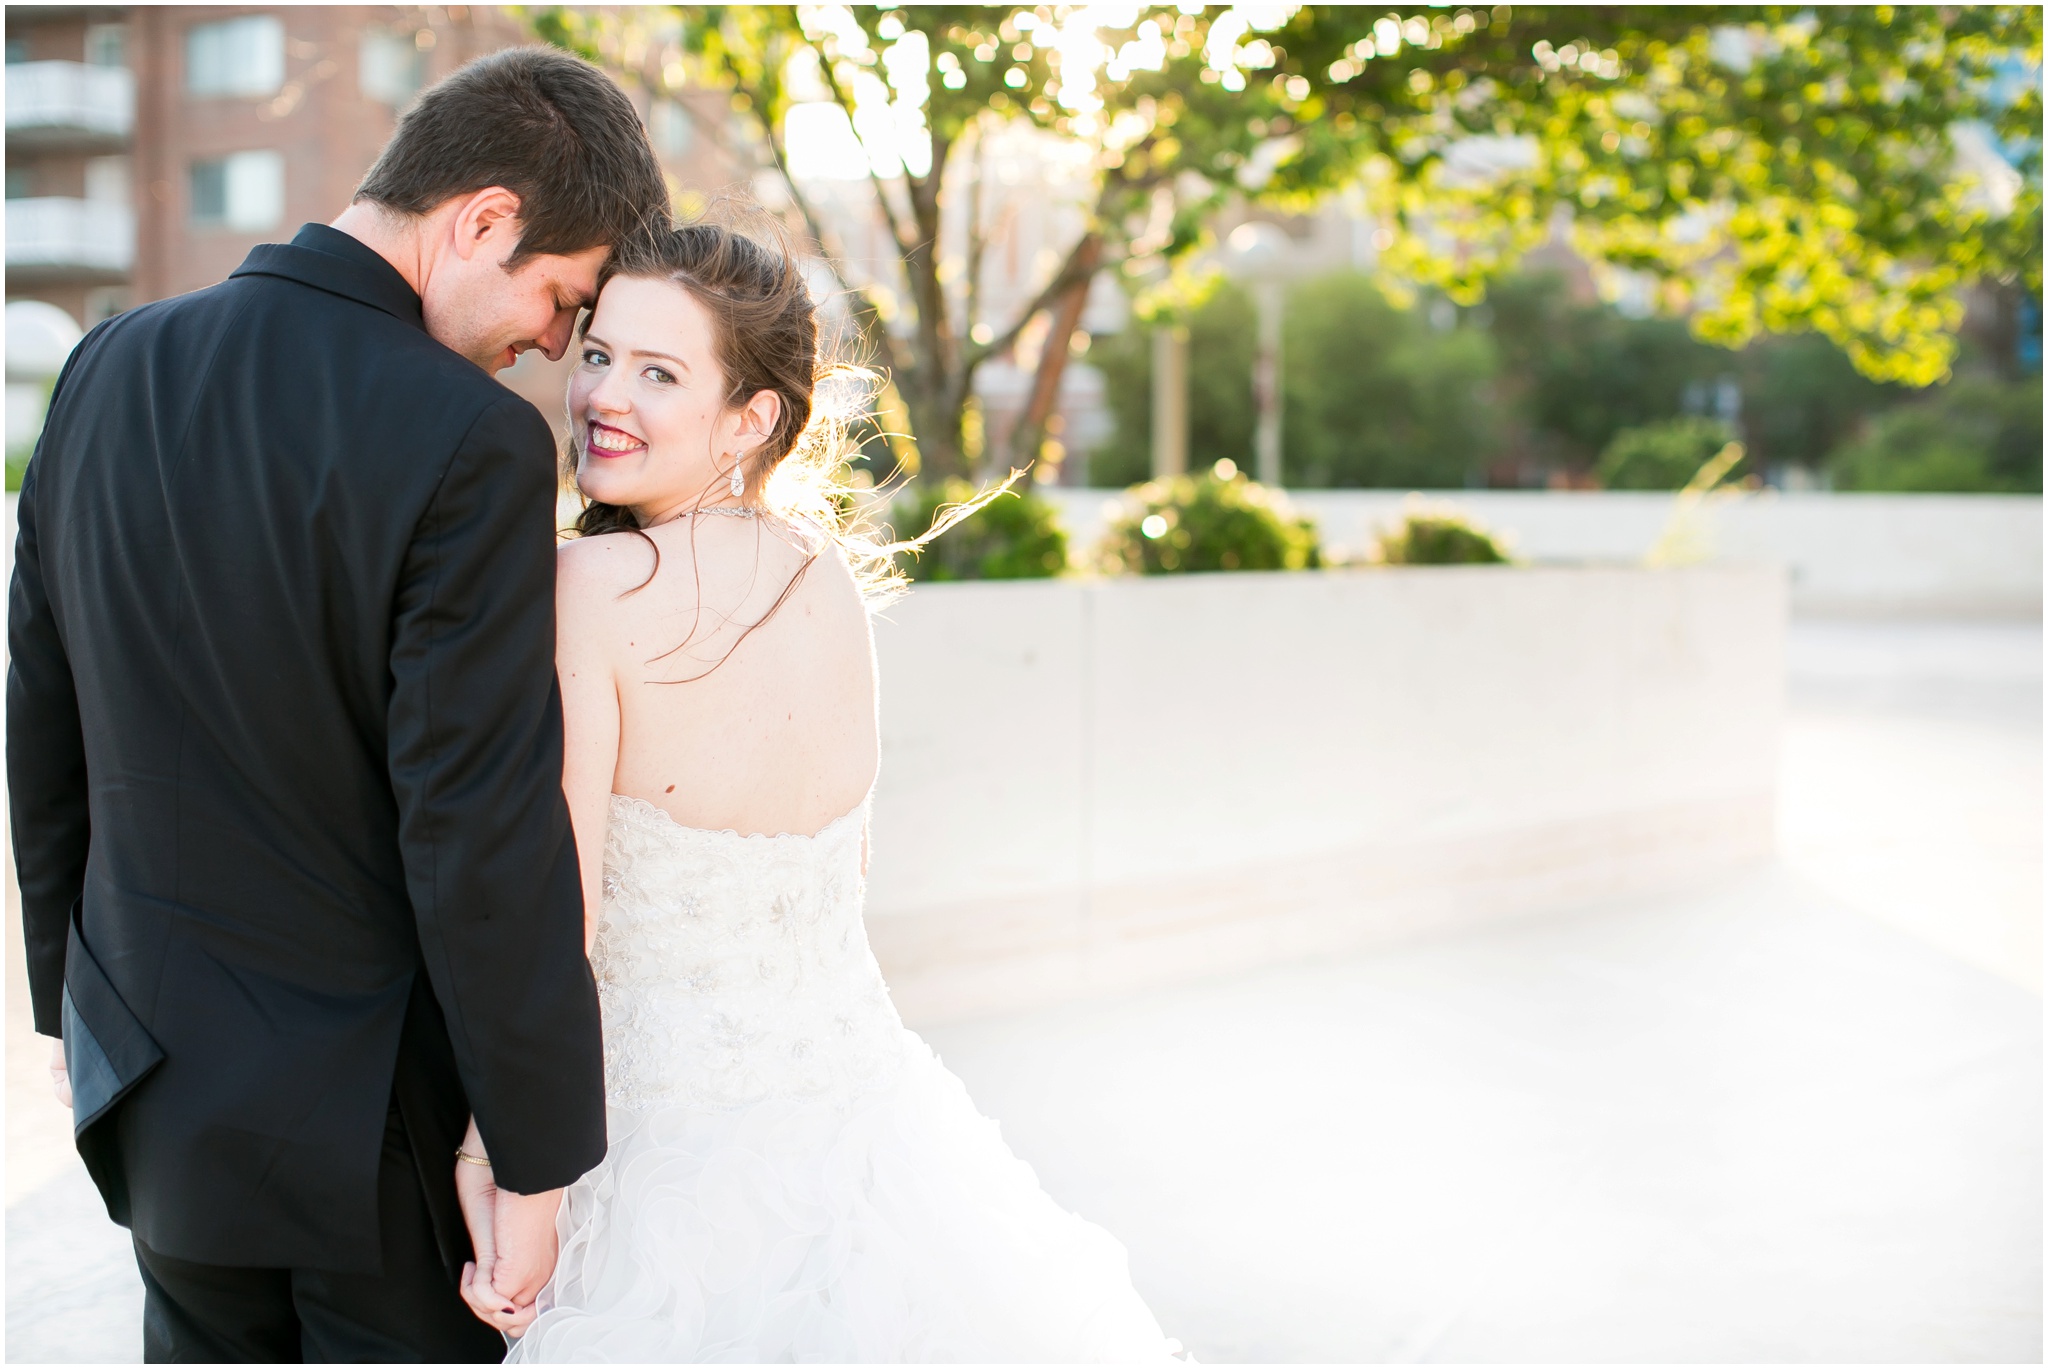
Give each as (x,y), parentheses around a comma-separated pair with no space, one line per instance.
(628,444)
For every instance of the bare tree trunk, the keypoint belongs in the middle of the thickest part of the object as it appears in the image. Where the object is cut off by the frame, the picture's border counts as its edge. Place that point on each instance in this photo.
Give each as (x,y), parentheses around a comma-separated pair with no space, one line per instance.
(1028,432)
(935,423)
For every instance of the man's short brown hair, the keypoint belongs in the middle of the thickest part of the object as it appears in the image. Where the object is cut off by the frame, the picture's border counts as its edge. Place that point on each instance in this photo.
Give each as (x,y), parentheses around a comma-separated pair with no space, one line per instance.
(547,126)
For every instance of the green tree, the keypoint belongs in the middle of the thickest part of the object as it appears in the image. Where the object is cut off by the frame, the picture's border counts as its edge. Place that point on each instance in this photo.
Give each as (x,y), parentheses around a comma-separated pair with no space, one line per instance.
(1221,332)
(1374,395)
(1976,435)
(1575,374)
(1802,398)
(1770,168)
(1165,146)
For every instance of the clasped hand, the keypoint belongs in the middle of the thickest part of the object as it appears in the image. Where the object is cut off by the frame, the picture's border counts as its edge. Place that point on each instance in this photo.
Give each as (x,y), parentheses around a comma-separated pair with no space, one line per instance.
(513,1235)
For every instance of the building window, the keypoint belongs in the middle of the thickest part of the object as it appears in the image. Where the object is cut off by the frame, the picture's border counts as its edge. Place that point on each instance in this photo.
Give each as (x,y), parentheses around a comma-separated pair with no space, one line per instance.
(106,180)
(668,124)
(235,56)
(106,45)
(390,67)
(243,192)
(17,50)
(21,182)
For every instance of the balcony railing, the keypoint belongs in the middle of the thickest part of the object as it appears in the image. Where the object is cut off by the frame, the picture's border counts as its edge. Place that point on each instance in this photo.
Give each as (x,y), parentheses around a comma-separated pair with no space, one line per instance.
(78,239)
(69,104)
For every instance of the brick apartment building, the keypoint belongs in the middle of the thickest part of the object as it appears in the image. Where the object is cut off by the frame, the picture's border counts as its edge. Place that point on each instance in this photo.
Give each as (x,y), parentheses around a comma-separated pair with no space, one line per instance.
(150,147)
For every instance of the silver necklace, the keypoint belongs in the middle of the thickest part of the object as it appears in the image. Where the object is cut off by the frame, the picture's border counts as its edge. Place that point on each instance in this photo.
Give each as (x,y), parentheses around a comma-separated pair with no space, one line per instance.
(731,510)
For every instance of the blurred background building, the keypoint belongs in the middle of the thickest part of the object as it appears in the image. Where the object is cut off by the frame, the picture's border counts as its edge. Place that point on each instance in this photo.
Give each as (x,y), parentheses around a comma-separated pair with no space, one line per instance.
(149,148)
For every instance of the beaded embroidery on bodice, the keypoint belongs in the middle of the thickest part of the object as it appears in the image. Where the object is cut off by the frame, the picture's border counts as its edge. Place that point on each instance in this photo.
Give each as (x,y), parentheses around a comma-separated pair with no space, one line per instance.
(734,969)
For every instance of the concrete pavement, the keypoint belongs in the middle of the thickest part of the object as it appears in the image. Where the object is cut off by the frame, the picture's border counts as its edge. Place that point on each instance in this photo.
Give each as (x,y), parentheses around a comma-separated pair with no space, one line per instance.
(1795,1116)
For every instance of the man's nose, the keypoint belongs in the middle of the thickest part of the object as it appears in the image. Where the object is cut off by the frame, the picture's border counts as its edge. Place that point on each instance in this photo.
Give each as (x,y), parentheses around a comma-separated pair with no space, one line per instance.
(555,341)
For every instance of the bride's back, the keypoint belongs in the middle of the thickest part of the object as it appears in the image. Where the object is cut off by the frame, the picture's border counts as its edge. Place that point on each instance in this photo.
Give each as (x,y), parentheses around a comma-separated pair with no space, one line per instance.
(714,648)
(743,666)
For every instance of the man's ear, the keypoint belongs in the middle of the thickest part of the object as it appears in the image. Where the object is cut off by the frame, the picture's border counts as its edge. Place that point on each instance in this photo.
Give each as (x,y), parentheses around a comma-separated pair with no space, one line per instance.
(487,223)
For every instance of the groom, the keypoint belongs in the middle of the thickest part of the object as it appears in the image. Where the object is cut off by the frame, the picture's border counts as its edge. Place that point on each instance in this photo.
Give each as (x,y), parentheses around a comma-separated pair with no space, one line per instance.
(284,744)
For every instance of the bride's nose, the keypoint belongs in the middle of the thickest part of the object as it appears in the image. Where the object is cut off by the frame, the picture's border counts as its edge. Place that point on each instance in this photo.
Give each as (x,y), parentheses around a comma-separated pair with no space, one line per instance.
(609,395)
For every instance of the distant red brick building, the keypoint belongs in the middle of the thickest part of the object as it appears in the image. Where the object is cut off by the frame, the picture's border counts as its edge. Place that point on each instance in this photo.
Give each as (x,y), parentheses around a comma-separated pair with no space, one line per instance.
(150,147)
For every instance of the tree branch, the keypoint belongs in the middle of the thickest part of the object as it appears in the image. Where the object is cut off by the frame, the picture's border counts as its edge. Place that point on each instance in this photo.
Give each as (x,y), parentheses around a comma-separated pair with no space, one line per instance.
(1028,431)
(867,314)
(1062,280)
(905,245)
(977,234)
(1077,264)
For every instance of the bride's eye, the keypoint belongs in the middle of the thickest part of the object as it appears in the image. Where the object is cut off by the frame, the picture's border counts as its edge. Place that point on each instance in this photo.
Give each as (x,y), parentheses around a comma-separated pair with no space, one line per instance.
(659,376)
(593,357)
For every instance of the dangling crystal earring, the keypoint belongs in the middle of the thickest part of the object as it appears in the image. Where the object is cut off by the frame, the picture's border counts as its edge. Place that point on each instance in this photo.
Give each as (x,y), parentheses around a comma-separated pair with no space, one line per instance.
(739,477)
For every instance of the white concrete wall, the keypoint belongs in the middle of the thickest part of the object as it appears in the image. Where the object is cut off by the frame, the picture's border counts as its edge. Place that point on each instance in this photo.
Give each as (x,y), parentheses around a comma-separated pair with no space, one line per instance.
(1904,555)
(1093,785)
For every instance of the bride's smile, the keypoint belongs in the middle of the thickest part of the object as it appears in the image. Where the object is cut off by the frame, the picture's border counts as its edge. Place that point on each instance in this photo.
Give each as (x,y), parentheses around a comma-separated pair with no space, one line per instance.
(607,441)
(658,428)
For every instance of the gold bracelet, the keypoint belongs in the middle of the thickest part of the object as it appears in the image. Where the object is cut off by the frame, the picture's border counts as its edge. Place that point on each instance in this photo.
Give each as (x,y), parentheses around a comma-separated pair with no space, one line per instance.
(483,1160)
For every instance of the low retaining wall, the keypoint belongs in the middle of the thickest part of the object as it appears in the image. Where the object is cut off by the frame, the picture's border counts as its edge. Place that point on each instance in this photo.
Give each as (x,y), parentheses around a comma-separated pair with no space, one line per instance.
(1903,555)
(1091,786)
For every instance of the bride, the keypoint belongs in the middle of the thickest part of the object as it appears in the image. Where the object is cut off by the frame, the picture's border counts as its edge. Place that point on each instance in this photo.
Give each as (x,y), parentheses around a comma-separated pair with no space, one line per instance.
(791,1175)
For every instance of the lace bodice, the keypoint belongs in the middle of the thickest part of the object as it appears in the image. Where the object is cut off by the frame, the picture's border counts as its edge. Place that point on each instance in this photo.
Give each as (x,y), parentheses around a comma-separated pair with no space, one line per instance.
(734,969)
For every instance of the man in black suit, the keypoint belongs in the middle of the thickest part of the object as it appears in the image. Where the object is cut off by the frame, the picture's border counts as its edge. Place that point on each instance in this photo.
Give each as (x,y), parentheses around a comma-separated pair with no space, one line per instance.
(284,743)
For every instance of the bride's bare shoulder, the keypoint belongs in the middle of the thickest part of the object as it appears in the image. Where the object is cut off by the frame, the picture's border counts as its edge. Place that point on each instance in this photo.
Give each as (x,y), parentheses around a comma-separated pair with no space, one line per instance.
(594,573)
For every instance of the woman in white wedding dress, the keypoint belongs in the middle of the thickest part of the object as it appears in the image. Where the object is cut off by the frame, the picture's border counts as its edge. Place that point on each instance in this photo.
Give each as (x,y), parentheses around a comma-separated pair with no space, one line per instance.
(792,1175)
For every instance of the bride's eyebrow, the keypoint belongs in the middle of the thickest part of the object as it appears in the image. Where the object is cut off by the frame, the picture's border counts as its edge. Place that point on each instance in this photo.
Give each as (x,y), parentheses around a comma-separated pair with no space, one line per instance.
(593,340)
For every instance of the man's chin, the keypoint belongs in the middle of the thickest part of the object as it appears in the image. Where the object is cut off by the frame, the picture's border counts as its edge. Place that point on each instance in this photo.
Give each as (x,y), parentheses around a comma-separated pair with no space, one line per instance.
(492,362)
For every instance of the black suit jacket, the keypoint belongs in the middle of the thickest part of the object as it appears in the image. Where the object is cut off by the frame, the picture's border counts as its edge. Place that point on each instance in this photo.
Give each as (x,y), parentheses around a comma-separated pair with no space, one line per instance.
(284,751)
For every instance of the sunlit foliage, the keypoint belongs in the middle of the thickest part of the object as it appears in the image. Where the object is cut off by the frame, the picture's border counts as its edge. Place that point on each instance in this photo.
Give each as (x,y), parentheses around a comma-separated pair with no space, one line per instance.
(1763,169)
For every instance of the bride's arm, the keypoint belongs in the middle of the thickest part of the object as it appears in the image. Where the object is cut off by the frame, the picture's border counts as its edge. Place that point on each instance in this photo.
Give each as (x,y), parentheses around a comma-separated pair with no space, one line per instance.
(584,604)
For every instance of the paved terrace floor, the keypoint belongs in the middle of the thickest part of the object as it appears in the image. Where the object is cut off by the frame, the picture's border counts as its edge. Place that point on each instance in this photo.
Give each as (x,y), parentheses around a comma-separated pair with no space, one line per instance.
(1795,1116)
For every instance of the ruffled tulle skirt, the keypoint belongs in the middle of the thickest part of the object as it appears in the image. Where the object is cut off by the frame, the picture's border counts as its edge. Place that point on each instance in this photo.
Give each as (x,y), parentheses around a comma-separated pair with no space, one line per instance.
(893,1227)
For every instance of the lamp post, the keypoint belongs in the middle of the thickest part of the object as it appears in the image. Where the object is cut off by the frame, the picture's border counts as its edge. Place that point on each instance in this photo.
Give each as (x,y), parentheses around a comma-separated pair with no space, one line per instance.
(1260,250)
(1169,400)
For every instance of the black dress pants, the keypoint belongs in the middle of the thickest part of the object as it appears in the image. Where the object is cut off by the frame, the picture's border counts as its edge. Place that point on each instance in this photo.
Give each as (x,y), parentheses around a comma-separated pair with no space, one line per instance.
(411,1313)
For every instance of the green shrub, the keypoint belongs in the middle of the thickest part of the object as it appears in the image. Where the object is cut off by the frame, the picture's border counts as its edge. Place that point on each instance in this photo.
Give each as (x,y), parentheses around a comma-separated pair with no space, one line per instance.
(1437,535)
(1217,521)
(17,467)
(1661,456)
(1972,436)
(1016,536)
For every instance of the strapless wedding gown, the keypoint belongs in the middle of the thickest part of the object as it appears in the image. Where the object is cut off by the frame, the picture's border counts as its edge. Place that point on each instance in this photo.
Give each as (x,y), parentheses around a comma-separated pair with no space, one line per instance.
(792,1175)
